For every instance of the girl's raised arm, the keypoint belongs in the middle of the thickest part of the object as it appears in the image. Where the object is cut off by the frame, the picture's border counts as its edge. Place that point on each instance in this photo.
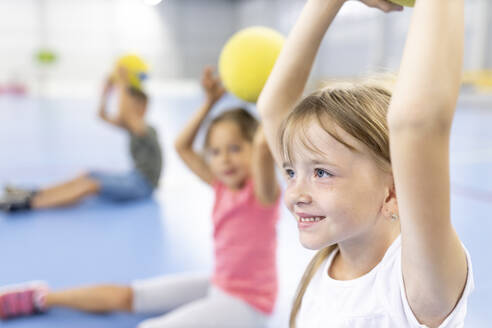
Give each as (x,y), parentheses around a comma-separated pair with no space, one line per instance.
(291,71)
(184,141)
(289,76)
(102,112)
(266,186)
(420,116)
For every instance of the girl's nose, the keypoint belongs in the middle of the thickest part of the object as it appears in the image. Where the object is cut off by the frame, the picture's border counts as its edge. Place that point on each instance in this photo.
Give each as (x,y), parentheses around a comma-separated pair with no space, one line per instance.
(298,194)
(304,198)
(224,156)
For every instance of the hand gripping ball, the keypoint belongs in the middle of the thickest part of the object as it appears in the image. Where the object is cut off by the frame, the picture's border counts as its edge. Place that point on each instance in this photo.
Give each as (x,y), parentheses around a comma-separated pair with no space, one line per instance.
(247,59)
(135,67)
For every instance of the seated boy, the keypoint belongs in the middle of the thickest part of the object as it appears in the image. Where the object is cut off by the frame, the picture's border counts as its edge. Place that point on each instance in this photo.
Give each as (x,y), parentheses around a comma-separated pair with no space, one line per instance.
(136,184)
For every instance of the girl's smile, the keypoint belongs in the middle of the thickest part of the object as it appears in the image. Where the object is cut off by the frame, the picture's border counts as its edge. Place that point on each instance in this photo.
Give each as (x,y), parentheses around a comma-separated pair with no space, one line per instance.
(307,221)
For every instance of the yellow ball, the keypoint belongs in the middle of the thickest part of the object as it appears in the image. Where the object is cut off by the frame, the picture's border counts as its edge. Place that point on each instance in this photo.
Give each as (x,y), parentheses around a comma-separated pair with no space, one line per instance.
(247,60)
(135,67)
(406,3)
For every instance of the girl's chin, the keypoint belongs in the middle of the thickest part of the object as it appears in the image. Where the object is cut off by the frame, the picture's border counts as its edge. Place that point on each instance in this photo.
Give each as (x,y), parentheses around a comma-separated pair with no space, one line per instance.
(313,243)
(314,246)
(233,182)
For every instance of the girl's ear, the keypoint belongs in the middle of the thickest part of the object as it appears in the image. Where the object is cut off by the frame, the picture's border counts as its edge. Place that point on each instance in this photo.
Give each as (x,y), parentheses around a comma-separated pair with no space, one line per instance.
(390,205)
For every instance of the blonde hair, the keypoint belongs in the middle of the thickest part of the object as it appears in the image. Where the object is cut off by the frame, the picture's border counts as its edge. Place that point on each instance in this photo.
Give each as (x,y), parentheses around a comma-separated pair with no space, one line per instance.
(360,109)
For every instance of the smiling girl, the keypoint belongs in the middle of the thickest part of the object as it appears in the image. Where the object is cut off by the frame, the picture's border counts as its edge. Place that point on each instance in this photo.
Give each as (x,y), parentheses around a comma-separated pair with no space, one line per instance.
(368,177)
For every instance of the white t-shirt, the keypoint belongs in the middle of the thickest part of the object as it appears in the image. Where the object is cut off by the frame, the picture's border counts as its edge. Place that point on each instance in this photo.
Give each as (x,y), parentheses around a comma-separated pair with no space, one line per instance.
(375,300)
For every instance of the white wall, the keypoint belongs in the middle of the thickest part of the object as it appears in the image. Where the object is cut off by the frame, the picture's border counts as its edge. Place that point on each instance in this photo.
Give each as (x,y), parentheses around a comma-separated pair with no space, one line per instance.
(86,35)
(200,29)
(179,37)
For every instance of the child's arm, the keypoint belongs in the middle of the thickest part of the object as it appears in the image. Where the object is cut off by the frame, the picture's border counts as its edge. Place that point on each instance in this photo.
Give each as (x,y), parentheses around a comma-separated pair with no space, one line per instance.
(289,76)
(108,87)
(263,170)
(420,116)
(184,142)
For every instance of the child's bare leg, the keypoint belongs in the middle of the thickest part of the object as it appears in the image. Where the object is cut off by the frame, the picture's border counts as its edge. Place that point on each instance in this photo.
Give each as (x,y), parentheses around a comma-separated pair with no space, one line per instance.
(96,299)
(65,194)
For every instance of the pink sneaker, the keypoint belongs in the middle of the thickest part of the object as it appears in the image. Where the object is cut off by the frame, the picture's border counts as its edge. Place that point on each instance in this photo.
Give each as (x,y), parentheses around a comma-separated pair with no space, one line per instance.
(22,300)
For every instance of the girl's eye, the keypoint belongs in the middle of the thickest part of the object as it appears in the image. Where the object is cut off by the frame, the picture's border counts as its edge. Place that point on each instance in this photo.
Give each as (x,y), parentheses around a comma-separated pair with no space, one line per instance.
(214,152)
(235,148)
(320,173)
(290,173)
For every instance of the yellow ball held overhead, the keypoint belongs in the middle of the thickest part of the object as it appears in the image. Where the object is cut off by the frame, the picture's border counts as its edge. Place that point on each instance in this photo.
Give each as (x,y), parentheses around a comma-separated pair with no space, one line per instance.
(247,59)
(135,67)
(406,3)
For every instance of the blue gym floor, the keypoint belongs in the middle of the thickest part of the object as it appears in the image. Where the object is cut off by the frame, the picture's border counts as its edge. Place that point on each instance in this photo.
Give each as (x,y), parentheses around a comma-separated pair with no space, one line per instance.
(47,141)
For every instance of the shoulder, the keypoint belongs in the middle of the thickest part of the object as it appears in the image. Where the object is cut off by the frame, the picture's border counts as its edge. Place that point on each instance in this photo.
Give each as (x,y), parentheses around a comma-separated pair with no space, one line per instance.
(216,184)
(313,301)
(153,134)
(151,130)
(317,282)
(219,188)
(147,134)
(392,288)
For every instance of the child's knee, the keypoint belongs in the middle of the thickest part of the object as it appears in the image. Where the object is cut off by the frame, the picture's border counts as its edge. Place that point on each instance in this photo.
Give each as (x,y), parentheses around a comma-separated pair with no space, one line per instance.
(125,299)
(88,185)
(113,298)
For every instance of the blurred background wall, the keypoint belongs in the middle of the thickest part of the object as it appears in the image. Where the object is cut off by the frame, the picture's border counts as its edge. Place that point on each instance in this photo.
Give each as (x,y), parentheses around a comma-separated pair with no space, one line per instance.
(179,37)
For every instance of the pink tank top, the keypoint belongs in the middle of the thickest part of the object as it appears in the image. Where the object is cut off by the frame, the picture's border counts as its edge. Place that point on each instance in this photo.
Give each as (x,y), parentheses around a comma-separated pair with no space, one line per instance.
(245,242)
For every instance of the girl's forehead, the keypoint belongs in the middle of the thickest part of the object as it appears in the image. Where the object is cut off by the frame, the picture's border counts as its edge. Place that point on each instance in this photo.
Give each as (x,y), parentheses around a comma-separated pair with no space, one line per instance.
(314,142)
(225,132)
(323,139)
(225,127)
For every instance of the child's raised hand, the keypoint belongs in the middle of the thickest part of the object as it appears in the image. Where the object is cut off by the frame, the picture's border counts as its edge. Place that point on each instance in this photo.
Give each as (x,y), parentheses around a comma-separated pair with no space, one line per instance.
(211,85)
(108,86)
(384,5)
(122,76)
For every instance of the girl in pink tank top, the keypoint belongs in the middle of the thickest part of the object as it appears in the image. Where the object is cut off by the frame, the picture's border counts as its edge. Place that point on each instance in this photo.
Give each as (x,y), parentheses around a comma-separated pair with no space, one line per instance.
(243,287)
(242,290)
(240,168)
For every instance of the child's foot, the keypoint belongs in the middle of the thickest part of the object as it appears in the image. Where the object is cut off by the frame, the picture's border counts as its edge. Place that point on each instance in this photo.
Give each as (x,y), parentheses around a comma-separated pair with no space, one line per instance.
(15,202)
(22,300)
(12,190)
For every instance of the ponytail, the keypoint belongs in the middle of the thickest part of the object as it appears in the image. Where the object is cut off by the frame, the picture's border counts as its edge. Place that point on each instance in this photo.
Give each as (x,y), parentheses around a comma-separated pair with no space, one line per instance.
(311,269)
